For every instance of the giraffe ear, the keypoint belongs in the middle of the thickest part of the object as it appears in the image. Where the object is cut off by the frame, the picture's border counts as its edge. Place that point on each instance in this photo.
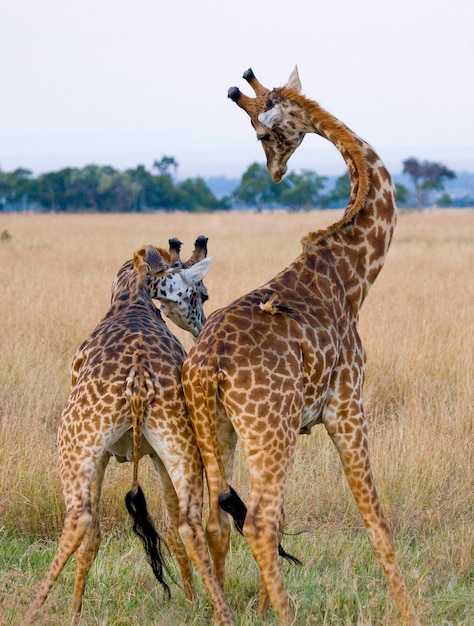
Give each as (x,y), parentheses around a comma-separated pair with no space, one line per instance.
(155,265)
(294,80)
(197,271)
(271,117)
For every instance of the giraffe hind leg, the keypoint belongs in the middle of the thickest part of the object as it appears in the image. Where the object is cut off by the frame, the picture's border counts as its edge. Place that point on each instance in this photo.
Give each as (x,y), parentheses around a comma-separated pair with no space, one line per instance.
(173,537)
(232,504)
(260,531)
(356,464)
(194,538)
(76,525)
(86,553)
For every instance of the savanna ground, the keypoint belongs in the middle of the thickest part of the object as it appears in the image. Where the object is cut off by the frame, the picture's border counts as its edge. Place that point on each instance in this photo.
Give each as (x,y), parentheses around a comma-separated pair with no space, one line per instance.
(418,328)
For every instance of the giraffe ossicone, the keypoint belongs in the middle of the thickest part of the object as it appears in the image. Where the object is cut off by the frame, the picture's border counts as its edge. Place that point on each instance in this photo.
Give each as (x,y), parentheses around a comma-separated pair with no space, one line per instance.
(287,356)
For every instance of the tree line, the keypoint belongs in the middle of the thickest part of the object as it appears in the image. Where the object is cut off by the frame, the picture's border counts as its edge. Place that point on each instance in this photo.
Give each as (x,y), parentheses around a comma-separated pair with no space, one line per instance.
(105,189)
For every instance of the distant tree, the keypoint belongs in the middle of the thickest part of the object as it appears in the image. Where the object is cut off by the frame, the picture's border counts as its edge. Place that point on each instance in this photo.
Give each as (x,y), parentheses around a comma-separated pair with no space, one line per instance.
(140,177)
(52,189)
(195,195)
(166,162)
(402,193)
(16,187)
(444,201)
(342,190)
(302,191)
(118,192)
(426,177)
(84,188)
(257,189)
(161,193)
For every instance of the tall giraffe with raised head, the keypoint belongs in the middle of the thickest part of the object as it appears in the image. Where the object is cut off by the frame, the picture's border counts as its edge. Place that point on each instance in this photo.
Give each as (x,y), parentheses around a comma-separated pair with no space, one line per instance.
(127,401)
(288,356)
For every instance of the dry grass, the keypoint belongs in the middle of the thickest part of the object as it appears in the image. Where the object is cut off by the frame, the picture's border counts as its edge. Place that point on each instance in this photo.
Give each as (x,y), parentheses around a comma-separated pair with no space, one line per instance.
(418,329)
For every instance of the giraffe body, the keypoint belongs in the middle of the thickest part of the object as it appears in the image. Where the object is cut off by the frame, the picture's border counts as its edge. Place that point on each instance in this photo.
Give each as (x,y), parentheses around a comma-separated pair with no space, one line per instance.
(288,355)
(127,400)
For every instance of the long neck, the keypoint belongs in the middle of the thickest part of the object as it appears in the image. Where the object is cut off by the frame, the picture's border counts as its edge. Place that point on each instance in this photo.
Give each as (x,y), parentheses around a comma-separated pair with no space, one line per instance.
(360,239)
(128,287)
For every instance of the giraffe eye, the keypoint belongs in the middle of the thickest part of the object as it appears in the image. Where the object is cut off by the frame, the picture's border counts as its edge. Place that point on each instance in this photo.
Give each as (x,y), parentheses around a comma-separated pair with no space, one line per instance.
(265,137)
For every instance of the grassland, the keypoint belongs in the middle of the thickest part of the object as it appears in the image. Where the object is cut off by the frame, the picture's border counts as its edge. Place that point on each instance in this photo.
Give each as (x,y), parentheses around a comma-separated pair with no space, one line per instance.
(418,329)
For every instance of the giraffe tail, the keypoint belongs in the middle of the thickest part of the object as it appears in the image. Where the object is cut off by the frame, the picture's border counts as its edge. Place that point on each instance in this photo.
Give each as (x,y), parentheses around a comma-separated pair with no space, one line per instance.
(231,503)
(139,381)
(143,527)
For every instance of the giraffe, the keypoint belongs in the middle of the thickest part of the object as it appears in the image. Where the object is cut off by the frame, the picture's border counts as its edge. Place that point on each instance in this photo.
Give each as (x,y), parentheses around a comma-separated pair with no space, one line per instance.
(287,356)
(126,401)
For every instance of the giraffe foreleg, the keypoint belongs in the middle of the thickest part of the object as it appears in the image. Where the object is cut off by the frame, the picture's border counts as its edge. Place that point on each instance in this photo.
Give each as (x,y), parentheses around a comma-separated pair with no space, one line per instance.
(352,445)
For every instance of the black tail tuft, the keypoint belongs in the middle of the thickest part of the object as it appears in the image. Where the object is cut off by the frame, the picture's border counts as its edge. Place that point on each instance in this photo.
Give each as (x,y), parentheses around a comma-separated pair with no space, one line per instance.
(289,557)
(143,527)
(231,503)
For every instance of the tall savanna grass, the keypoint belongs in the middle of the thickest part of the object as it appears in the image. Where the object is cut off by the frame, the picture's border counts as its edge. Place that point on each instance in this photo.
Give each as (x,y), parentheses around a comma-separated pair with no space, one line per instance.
(418,329)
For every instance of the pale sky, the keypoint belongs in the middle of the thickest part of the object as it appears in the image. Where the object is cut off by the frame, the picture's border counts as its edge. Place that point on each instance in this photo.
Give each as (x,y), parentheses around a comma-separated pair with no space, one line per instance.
(122,83)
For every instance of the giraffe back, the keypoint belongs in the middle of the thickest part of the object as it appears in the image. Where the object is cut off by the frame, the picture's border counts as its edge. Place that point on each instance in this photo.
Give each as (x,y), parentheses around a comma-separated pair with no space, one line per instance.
(130,359)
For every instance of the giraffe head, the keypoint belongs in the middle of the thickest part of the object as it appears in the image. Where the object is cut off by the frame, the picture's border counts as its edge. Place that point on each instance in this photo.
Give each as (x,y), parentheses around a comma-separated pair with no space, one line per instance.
(177,285)
(272,114)
(181,292)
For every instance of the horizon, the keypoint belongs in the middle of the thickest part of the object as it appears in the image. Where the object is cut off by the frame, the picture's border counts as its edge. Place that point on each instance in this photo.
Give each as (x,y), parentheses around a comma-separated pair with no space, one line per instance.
(206,159)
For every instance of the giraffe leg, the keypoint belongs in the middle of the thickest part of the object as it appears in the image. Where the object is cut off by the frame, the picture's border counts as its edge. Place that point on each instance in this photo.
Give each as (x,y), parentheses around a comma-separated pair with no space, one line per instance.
(261,532)
(218,525)
(263,598)
(194,538)
(76,524)
(354,454)
(186,475)
(217,530)
(264,521)
(87,551)
(174,540)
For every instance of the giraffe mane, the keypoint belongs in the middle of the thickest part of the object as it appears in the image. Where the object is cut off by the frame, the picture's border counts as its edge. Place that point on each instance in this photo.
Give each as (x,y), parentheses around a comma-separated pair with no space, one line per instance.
(335,131)
(149,260)
(165,255)
(140,265)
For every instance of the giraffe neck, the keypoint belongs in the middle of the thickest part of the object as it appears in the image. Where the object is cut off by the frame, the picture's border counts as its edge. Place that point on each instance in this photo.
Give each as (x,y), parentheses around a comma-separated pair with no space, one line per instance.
(129,288)
(360,239)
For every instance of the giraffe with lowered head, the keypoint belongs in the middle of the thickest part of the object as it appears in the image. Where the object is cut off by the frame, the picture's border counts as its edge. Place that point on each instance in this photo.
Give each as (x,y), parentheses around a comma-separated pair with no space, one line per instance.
(287,356)
(127,401)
